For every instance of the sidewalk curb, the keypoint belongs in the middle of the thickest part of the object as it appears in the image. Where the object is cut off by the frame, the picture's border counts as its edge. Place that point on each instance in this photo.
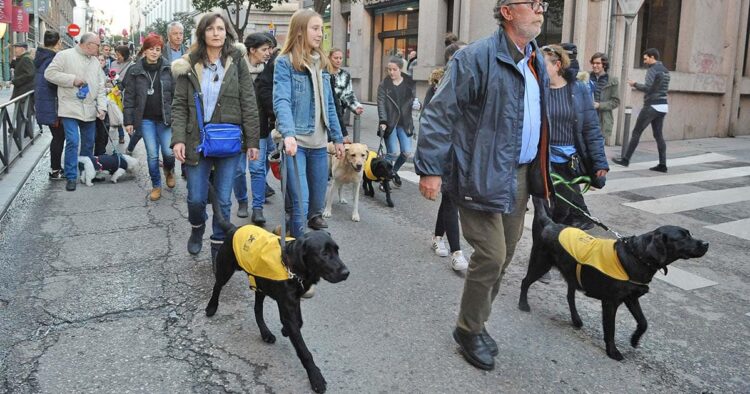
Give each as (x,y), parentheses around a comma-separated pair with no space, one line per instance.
(21,170)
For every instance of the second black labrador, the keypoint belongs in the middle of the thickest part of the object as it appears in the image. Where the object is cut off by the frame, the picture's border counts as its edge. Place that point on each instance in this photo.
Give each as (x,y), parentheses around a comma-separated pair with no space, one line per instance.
(309,258)
(640,257)
(378,169)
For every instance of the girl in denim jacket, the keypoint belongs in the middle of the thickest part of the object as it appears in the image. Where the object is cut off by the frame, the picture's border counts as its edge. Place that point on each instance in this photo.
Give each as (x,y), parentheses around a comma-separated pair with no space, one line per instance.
(306,117)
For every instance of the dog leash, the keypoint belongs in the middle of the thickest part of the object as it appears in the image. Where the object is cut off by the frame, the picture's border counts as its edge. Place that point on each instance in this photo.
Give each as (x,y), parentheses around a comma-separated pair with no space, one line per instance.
(559,180)
(115,152)
(282,164)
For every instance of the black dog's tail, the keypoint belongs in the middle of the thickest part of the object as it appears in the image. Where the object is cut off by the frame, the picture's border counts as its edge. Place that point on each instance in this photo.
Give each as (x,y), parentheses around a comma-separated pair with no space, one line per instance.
(218,216)
(542,212)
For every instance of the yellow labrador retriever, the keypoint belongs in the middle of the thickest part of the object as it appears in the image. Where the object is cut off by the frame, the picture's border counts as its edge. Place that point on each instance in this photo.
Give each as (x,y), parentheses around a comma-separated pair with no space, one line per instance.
(347,171)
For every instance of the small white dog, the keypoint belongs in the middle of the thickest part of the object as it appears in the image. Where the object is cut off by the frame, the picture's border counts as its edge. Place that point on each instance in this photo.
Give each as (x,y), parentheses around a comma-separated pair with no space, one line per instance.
(346,171)
(116,165)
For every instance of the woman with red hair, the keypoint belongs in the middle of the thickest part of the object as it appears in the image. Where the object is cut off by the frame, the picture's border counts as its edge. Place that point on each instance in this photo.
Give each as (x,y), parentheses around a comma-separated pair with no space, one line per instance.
(147,103)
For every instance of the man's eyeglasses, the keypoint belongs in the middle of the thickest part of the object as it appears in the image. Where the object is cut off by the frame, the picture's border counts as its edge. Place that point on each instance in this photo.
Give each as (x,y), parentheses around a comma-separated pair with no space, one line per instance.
(536,6)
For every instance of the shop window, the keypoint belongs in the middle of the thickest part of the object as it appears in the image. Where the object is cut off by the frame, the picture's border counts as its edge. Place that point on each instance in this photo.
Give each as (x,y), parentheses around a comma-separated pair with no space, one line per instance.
(553,21)
(746,65)
(659,27)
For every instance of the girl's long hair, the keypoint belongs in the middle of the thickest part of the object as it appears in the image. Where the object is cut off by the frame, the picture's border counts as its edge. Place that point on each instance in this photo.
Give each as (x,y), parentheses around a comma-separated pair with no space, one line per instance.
(296,41)
(201,48)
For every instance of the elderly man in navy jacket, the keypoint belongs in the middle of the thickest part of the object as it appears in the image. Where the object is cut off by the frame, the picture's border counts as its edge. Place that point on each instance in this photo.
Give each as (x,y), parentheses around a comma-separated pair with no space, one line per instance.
(485,134)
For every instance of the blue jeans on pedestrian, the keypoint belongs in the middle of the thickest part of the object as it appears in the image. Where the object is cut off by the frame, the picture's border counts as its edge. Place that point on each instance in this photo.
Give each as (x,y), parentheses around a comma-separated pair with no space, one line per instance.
(197,187)
(157,137)
(313,179)
(77,134)
(258,171)
(120,132)
(398,137)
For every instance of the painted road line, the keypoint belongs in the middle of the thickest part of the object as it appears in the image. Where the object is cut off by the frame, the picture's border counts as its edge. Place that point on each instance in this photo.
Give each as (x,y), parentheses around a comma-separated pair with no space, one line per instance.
(409,176)
(738,228)
(683,279)
(690,201)
(627,184)
(680,161)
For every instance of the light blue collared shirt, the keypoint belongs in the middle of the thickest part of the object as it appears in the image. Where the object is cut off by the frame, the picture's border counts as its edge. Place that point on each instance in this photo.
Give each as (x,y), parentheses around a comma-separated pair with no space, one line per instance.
(532,111)
(211,80)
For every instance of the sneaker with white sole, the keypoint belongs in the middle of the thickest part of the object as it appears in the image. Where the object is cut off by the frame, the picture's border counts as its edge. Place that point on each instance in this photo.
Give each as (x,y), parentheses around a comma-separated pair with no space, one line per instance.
(458,261)
(438,245)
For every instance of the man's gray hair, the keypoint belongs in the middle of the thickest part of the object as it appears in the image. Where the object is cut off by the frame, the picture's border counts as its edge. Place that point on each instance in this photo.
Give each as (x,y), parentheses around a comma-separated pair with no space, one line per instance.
(496,11)
(86,37)
(174,24)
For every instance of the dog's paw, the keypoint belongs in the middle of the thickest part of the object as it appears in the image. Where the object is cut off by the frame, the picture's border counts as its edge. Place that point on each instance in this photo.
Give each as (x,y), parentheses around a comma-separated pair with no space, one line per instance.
(390,204)
(635,339)
(317,381)
(615,354)
(577,322)
(211,310)
(268,337)
(355,217)
(524,306)
(284,332)
(327,213)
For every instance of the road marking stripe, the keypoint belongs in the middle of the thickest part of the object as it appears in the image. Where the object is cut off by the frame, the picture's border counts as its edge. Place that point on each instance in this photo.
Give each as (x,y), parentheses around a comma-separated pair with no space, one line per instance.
(738,228)
(627,184)
(687,202)
(680,161)
(683,279)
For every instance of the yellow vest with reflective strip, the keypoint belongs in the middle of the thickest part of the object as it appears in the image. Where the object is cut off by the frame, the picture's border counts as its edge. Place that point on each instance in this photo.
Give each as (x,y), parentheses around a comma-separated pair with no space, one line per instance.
(258,253)
(597,253)
(368,166)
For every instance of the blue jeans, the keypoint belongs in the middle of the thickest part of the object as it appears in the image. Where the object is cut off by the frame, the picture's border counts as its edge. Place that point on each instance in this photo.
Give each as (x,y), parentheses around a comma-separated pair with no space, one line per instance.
(72,142)
(258,171)
(120,132)
(398,136)
(313,179)
(157,136)
(197,187)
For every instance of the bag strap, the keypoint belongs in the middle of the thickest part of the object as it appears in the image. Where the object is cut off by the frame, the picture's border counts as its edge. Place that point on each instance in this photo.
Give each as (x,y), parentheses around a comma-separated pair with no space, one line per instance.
(198,109)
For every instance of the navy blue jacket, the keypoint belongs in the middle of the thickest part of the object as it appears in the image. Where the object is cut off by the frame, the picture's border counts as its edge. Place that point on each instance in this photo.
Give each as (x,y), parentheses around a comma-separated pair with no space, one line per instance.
(45,93)
(589,141)
(471,131)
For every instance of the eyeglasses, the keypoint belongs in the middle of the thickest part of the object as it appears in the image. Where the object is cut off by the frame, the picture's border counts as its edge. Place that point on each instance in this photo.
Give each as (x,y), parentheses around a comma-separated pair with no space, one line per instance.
(535,6)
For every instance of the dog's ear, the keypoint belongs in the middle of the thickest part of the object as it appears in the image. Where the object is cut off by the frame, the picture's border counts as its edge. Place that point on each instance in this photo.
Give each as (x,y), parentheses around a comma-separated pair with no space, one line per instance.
(656,249)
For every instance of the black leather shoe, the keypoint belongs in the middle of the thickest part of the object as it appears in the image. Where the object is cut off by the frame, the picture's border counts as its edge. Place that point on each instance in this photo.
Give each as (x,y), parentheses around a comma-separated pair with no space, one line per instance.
(195,242)
(396,180)
(621,161)
(70,186)
(317,223)
(491,344)
(474,349)
(659,168)
(269,190)
(242,210)
(257,217)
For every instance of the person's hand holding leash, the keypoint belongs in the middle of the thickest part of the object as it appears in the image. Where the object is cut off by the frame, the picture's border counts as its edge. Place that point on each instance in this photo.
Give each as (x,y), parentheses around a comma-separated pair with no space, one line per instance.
(253,154)
(429,186)
(129,129)
(290,146)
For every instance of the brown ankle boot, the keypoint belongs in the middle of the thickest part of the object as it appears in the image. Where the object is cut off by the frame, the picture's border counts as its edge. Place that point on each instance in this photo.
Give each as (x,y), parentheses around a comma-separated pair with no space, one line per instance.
(155,194)
(169,174)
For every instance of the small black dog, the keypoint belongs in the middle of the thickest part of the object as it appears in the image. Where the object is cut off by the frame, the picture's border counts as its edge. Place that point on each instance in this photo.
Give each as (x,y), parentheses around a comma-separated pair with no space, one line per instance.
(310,257)
(378,169)
(639,258)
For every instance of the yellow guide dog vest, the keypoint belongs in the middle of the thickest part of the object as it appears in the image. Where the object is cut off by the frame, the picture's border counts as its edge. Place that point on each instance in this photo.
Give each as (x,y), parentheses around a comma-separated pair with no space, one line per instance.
(258,253)
(598,253)
(368,166)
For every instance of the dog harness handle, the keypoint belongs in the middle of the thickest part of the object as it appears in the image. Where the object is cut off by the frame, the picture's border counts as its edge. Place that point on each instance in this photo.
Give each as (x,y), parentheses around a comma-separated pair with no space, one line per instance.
(283,199)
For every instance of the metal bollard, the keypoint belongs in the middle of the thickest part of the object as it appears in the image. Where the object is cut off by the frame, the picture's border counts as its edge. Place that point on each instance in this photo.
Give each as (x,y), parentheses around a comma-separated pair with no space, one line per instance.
(626,131)
(356,127)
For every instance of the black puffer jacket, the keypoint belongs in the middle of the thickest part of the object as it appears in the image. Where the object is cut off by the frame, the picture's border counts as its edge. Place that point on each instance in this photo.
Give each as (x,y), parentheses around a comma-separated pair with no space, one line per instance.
(390,111)
(136,85)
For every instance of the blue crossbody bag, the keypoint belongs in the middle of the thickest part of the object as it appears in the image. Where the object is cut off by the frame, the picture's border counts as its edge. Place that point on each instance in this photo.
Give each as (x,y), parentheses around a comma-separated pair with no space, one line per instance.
(217,139)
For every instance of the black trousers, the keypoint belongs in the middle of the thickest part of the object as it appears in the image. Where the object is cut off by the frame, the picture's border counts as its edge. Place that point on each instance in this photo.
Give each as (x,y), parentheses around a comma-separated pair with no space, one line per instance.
(101,139)
(447,222)
(56,146)
(563,212)
(648,116)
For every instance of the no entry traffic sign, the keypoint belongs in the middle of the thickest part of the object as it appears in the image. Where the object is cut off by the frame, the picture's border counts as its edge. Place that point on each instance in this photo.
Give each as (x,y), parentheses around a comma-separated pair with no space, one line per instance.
(73,29)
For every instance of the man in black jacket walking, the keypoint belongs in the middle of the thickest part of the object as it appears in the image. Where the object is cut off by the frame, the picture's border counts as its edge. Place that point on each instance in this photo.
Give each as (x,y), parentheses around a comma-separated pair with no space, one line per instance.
(654,109)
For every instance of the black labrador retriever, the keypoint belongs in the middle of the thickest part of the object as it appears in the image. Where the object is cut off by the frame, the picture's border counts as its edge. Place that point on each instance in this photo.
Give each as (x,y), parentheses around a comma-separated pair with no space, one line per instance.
(310,257)
(382,172)
(640,257)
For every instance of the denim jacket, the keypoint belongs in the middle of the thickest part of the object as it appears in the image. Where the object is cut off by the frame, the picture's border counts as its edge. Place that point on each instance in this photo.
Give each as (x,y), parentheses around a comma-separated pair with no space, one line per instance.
(294,104)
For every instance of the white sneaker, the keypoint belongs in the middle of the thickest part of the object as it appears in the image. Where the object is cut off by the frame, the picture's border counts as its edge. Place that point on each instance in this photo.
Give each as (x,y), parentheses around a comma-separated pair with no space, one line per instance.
(438,245)
(310,292)
(458,261)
